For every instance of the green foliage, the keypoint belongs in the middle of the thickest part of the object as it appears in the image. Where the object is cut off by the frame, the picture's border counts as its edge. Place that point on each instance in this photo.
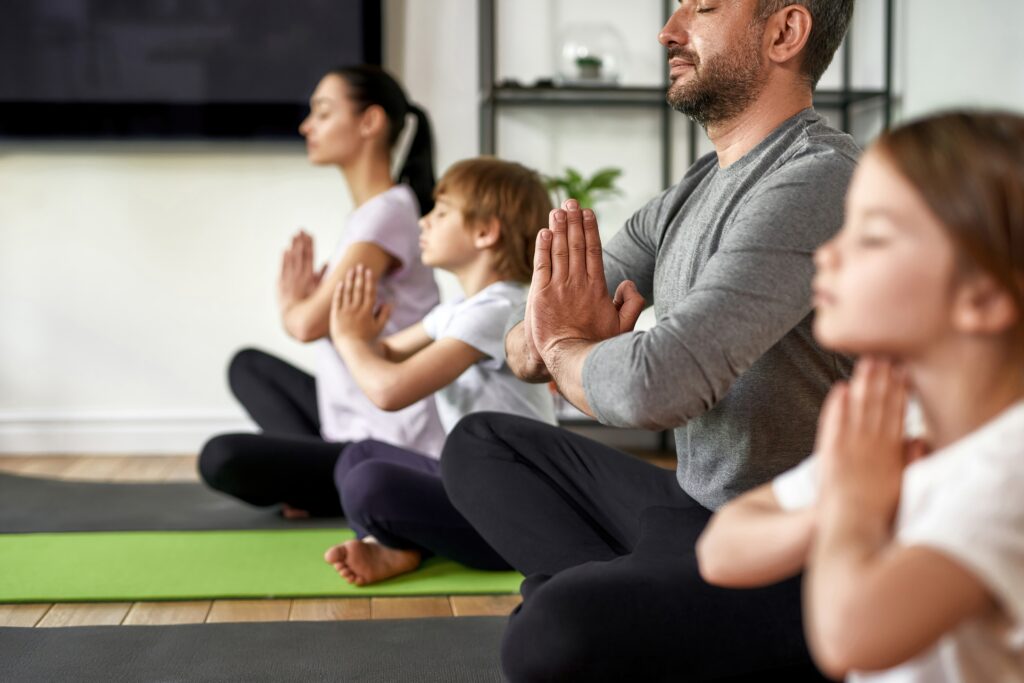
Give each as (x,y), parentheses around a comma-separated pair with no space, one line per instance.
(589,61)
(587,191)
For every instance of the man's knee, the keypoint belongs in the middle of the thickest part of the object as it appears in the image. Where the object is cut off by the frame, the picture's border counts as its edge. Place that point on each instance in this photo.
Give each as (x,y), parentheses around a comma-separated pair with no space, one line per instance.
(477,438)
(554,636)
(464,445)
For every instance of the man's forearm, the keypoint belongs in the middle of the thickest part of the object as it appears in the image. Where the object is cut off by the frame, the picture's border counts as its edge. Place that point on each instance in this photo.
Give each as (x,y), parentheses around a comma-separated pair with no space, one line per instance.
(565,362)
(524,364)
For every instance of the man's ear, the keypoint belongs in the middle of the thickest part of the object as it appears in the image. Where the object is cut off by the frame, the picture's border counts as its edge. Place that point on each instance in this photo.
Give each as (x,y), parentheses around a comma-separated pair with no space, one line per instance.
(982,306)
(487,233)
(786,33)
(373,122)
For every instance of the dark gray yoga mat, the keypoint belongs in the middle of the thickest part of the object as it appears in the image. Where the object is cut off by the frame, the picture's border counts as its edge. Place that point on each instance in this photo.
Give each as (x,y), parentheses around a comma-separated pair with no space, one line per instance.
(34,505)
(449,650)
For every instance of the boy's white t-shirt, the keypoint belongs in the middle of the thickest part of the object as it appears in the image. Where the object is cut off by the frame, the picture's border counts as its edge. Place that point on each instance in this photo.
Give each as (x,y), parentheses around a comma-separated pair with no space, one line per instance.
(965,501)
(389,220)
(488,385)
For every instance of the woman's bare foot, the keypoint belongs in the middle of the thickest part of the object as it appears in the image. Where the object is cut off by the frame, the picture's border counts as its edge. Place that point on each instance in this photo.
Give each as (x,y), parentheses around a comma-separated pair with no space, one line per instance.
(288,512)
(362,562)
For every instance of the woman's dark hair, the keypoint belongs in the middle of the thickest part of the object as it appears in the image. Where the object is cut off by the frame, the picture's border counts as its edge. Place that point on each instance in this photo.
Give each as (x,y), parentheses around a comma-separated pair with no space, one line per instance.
(372,85)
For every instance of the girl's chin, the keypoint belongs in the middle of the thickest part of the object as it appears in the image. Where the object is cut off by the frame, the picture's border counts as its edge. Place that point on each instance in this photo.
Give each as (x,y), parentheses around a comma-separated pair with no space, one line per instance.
(834,341)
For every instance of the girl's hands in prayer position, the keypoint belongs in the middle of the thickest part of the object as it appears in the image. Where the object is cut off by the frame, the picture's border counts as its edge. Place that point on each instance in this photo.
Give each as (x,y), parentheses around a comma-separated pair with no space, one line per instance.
(860,441)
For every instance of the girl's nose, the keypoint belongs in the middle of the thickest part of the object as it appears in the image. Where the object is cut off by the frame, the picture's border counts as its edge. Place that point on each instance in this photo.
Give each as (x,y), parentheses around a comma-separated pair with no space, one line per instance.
(825,255)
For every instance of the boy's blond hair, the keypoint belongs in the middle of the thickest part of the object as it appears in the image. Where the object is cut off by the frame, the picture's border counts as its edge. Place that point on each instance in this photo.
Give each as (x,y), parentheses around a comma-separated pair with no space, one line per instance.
(487,188)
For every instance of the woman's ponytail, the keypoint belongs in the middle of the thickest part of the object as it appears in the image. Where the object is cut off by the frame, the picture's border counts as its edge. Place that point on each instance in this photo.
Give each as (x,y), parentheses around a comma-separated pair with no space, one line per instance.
(413,154)
(418,169)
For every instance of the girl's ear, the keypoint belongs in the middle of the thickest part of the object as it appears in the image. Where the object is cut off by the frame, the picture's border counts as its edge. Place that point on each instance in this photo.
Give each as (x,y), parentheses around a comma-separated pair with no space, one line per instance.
(982,306)
(487,233)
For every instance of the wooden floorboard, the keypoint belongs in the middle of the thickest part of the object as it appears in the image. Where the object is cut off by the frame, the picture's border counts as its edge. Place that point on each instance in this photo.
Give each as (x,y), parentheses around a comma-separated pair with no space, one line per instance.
(23,615)
(224,611)
(409,608)
(483,605)
(38,465)
(148,469)
(338,609)
(182,468)
(163,613)
(85,614)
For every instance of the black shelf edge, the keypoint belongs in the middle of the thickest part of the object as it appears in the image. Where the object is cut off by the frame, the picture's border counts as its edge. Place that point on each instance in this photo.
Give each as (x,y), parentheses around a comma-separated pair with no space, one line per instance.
(636,96)
(572,95)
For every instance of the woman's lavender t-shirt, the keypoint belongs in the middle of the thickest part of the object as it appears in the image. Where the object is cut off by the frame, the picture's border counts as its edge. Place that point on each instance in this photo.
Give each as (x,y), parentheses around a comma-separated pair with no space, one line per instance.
(389,220)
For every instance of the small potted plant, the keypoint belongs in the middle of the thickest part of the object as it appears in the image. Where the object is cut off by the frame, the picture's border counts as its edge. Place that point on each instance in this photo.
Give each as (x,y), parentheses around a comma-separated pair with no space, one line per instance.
(587,191)
(588,67)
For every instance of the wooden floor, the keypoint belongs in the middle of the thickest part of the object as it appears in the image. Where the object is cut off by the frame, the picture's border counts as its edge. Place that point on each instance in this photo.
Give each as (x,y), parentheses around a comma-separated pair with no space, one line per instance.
(183,468)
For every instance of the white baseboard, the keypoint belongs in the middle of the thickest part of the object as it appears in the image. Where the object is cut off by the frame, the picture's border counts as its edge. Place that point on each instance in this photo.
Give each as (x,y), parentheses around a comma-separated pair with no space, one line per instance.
(149,432)
(161,432)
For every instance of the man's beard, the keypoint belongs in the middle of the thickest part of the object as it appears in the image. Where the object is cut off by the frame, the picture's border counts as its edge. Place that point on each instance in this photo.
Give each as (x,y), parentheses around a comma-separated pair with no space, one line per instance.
(721,87)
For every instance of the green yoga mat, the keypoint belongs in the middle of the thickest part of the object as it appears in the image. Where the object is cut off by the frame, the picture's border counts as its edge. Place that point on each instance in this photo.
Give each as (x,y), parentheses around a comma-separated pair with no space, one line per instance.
(186,565)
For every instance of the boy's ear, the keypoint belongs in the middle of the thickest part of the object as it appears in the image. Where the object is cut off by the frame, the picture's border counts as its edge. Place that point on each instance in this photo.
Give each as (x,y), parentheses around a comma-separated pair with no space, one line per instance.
(982,306)
(487,233)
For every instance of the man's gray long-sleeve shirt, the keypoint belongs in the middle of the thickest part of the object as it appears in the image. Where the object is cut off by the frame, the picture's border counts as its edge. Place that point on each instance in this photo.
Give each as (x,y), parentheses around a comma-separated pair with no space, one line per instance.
(725,256)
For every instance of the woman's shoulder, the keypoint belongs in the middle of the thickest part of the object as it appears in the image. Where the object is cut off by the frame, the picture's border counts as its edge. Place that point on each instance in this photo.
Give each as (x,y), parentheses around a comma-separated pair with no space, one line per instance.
(391,220)
(396,203)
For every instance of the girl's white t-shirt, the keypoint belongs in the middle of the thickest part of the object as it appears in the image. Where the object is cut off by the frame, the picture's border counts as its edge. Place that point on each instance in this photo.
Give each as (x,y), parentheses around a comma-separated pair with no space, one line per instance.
(965,501)
(488,385)
(389,220)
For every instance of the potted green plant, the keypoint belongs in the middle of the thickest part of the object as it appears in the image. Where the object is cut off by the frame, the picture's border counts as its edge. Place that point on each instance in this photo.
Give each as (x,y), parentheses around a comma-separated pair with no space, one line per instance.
(587,191)
(589,67)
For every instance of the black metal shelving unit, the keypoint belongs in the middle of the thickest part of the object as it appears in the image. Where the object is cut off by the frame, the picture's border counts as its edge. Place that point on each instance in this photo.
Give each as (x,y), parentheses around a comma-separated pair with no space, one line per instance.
(495,95)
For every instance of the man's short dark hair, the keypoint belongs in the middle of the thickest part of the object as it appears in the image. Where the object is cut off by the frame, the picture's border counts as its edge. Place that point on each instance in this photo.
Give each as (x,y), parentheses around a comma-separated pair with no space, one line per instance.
(831,19)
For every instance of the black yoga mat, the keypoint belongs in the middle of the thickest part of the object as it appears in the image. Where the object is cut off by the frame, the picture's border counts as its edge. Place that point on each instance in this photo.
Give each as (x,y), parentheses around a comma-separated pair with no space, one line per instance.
(34,505)
(449,650)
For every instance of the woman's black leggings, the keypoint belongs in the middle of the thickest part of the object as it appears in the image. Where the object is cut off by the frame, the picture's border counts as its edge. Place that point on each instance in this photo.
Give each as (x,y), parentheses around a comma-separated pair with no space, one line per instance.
(289,462)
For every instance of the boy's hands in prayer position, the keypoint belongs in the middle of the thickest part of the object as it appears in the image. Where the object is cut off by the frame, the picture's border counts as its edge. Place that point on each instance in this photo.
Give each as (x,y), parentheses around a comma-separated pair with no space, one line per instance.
(354,312)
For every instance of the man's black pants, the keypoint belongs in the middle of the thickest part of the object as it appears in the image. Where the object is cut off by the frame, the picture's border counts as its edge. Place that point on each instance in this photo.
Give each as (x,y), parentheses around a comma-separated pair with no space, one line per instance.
(606,541)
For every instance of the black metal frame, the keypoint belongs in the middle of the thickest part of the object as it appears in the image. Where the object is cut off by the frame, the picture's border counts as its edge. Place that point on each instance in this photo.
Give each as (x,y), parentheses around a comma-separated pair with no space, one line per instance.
(492,96)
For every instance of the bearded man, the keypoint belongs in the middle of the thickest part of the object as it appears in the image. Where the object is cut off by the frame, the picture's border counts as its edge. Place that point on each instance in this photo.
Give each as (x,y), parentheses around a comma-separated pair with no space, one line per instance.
(606,541)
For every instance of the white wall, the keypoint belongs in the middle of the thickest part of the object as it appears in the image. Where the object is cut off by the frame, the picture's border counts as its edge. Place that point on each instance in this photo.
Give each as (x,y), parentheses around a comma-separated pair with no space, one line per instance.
(959,53)
(129,273)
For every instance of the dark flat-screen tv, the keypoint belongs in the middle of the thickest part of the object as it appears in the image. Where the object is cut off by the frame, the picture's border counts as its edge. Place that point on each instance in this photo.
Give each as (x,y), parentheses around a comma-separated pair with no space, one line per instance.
(154,69)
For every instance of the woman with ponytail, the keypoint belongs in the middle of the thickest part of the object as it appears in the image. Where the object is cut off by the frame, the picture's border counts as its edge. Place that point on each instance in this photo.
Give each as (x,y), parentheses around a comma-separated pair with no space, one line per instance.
(360,121)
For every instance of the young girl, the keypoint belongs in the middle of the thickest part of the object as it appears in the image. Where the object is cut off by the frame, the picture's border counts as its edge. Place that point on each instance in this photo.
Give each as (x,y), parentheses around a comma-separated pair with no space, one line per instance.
(359,118)
(482,230)
(914,561)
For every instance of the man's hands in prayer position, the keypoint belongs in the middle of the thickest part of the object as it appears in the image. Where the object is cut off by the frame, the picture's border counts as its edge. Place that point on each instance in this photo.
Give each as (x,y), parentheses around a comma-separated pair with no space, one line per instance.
(568,310)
